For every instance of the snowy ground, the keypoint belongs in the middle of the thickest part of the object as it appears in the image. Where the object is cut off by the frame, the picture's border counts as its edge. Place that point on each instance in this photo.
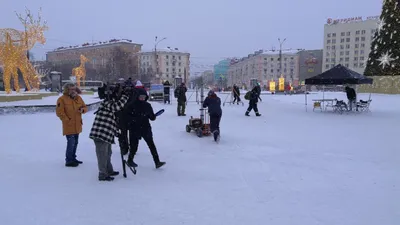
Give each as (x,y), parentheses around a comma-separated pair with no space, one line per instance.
(288,167)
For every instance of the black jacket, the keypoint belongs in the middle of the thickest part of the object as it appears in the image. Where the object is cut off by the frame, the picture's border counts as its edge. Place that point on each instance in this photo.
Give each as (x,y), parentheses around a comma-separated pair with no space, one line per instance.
(180,93)
(141,112)
(213,103)
(351,93)
(255,95)
(236,91)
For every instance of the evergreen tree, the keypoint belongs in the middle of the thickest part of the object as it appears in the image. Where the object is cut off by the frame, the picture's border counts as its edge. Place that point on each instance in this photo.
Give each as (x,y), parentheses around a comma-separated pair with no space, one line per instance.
(384,59)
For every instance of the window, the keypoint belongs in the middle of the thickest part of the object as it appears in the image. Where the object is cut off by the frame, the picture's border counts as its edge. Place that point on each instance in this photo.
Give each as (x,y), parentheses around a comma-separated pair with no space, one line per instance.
(362,45)
(346,59)
(355,65)
(333,47)
(347,39)
(342,34)
(347,46)
(341,60)
(356,46)
(357,32)
(167,70)
(333,60)
(272,59)
(327,47)
(356,52)
(357,39)
(327,60)
(361,52)
(333,34)
(334,41)
(341,53)
(327,66)
(348,33)
(362,38)
(341,46)
(363,32)
(347,52)
(272,70)
(346,65)
(179,57)
(328,54)
(361,65)
(341,40)
(328,35)
(167,63)
(355,58)
(362,58)
(179,70)
(179,64)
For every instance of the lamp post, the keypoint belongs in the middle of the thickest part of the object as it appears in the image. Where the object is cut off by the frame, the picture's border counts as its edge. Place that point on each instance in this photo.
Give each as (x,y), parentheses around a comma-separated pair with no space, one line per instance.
(280,53)
(155,52)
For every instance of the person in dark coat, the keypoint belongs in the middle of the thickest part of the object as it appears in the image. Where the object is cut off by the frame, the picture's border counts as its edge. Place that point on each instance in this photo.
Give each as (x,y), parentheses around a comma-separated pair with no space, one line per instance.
(254,96)
(351,96)
(167,90)
(213,103)
(236,94)
(139,127)
(180,94)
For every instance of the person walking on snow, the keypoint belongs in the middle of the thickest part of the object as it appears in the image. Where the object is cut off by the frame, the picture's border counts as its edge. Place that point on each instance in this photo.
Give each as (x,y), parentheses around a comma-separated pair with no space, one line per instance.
(70,108)
(139,127)
(236,94)
(254,97)
(213,103)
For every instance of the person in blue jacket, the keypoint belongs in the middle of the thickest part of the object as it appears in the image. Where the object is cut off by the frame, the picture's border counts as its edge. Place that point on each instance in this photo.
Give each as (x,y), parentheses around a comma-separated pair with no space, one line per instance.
(213,103)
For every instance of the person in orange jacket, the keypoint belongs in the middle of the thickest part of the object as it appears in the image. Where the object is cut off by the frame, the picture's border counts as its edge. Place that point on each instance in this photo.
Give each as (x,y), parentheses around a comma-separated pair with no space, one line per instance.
(69,109)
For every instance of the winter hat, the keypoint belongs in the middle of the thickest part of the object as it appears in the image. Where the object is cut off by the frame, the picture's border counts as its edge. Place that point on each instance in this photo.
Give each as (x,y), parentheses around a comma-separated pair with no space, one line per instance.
(142,92)
(138,84)
(211,92)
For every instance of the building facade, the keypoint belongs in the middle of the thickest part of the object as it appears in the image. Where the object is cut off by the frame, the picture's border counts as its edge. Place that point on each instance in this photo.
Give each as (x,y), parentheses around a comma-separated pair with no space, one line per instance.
(116,53)
(264,66)
(221,69)
(170,64)
(348,42)
(310,64)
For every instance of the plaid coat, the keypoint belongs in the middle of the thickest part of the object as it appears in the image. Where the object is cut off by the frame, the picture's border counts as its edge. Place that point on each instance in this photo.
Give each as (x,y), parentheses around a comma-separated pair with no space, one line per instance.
(105,126)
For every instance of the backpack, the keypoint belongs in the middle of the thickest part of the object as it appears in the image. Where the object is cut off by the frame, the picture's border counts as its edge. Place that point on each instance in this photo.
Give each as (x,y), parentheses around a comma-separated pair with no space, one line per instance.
(248,95)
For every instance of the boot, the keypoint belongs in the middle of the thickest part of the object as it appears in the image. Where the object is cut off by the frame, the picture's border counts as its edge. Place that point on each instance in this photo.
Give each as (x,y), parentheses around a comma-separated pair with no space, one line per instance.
(130,161)
(72,164)
(258,114)
(106,178)
(160,164)
(247,114)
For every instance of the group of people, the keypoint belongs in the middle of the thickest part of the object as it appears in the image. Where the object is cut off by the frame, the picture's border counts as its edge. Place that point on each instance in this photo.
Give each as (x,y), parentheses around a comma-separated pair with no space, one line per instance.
(126,114)
(135,115)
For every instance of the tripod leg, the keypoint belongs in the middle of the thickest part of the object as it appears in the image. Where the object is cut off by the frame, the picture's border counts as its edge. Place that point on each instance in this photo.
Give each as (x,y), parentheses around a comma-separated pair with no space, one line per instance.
(123,166)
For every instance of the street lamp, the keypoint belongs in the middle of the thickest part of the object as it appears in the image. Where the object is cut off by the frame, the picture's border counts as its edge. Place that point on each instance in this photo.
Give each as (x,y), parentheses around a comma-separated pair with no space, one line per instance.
(156,41)
(280,53)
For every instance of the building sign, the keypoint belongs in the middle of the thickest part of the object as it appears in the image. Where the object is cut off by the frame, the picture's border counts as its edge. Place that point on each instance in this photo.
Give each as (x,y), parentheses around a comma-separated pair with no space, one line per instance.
(331,21)
(310,62)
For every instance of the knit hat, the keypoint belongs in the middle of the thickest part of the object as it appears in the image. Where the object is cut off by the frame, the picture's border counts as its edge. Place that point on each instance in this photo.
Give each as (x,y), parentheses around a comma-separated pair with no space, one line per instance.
(211,92)
(138,84)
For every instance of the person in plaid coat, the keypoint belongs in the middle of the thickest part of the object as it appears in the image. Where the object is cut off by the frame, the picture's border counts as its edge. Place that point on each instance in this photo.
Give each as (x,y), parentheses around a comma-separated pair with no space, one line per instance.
(103,131)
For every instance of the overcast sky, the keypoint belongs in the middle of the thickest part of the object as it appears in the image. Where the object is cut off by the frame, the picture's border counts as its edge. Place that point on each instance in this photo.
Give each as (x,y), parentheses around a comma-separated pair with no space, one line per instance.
(209,29)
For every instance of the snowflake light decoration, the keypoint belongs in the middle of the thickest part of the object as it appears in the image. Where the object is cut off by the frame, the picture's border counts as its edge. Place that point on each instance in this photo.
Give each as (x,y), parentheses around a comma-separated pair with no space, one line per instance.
(385,60)
(381,24)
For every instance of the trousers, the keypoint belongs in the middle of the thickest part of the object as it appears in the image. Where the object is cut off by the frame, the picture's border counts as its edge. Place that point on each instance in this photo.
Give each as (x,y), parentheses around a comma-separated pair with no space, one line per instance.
(134,144)
(103,153)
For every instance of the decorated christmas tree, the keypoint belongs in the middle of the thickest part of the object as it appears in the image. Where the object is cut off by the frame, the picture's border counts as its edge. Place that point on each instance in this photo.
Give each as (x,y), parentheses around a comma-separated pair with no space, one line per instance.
(384,59)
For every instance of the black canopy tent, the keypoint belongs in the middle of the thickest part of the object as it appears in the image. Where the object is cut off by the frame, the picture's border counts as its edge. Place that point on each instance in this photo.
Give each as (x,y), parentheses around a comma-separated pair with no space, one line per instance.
(338,75)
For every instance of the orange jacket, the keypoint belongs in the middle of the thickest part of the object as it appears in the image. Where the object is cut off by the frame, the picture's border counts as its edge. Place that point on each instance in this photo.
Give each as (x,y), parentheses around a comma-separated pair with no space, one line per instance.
(68,112)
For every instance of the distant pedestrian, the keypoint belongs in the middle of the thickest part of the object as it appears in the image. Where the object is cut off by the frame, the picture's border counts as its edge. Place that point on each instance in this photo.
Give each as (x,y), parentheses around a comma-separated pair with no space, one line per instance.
(213,103)
(180,94)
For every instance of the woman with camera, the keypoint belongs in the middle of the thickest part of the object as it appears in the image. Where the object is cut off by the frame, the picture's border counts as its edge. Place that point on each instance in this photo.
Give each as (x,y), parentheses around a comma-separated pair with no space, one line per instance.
(104,130)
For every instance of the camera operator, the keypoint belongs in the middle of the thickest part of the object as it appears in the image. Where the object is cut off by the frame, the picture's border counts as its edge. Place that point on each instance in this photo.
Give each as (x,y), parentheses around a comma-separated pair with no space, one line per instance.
(104,130)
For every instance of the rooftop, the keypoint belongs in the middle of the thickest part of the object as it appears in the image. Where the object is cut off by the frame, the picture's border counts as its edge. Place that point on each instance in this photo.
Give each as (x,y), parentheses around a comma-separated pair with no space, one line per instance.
(266,53)
(101,43)
(167,49)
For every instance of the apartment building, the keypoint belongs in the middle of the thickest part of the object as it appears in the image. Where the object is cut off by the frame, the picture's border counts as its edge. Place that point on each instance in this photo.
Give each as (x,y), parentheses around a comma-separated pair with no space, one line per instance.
(348,42)
(264,66)
(98,54)
(165,64)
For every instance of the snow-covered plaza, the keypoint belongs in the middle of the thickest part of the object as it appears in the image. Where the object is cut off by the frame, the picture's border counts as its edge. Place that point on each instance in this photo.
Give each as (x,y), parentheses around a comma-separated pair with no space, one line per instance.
(287,167)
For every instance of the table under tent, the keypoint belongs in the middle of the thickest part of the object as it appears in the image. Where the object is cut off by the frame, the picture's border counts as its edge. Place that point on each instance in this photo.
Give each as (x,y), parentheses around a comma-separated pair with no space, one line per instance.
(338,76)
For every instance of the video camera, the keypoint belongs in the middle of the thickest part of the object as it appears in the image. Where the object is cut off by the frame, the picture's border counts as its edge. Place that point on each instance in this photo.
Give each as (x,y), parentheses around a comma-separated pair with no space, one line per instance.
(111,91)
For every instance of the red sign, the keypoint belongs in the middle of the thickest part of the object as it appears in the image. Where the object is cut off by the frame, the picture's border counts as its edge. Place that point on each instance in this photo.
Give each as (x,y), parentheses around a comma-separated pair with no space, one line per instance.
(352,19)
